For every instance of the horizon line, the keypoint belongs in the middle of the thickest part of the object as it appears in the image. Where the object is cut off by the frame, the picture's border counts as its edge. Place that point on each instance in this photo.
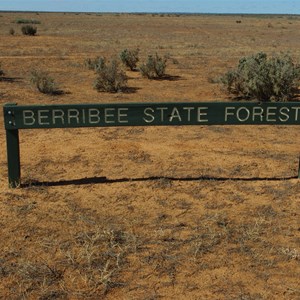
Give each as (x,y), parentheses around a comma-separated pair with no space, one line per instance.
(149,13)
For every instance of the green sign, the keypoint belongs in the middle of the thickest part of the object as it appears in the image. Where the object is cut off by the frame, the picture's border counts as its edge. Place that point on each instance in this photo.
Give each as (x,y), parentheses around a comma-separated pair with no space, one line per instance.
(151,114)
(138,114)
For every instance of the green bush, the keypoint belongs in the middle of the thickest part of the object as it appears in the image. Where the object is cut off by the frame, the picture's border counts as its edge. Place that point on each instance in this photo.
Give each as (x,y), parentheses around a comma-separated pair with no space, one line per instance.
(110,78)
(27,21)
(263,78)
(28,30)
(130,58)
(154,67)
(95,64)
(43,82)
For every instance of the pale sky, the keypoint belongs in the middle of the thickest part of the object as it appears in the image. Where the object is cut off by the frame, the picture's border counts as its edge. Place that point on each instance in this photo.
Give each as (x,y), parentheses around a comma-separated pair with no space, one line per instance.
(184,6)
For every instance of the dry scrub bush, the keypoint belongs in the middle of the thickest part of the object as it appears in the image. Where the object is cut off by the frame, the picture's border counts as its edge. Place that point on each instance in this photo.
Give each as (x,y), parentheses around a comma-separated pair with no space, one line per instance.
(29,30)
(130,58)
(263,78)
(154,67)
(95,64)
(43,82)
(110,78)
(1,71)
(11,31)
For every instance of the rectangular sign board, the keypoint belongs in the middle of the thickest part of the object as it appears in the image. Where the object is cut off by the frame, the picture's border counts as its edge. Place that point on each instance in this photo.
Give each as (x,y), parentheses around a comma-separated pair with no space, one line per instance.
(151,114)
(138,114)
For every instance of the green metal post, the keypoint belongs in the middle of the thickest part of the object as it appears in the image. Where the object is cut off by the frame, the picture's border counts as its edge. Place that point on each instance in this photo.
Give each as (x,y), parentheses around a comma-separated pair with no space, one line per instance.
(13,158)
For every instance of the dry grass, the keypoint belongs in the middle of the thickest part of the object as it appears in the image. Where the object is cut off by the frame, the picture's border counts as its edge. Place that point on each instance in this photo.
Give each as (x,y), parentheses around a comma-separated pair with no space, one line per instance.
(186,248)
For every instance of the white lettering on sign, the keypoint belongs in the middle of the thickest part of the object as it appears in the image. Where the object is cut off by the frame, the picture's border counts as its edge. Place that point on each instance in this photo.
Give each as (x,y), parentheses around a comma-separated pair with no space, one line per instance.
(58,114)
(228,112)
(258,112)
(94,116)
(201,114)
(43,118)
(123,115)
(296,112)
(108,116)
(284,112)
(175,114)
(242,111)
(188,109)
(160,115)
(28,117)
(83,116)
(162,109)
(271,114)
(148,112)
(73,114)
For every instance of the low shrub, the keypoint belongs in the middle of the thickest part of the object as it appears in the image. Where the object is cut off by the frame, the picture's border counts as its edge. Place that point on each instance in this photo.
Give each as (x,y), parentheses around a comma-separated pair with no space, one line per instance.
(27,21)
(11,31)
(263,78)
(1,71)
(95,64)
(110,78)
(29,30)
(43,82)
(130,58)
(154,67)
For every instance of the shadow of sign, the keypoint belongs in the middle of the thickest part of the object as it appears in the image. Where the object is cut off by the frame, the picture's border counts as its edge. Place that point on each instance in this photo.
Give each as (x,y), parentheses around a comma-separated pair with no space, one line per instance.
(105,180)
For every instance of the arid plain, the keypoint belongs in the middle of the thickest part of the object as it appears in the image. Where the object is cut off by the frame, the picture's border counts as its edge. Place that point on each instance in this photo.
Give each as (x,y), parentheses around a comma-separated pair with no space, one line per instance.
(194,212)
